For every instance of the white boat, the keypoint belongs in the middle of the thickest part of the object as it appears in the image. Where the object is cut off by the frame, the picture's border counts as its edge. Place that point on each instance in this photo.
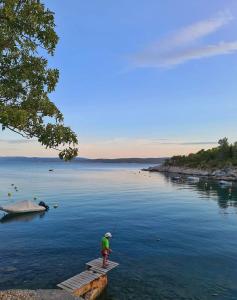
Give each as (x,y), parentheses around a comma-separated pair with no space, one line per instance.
(22,207)
(176,177)
(193,178)
(225,183)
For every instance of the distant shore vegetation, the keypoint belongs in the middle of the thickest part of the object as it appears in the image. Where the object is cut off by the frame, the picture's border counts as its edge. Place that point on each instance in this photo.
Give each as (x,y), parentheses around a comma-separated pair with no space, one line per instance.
(224,155)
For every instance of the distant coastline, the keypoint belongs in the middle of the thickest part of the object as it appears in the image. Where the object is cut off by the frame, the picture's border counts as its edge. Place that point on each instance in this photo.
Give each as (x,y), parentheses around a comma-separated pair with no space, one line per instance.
(151,160)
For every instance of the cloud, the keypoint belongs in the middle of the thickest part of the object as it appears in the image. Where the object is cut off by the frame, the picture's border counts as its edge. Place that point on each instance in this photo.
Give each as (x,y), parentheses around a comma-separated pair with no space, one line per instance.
(181,143)
(190,54)
(198,30)
(182,45)
(141,147)
(109,148)
(24,147)
(25,141)
(198,143)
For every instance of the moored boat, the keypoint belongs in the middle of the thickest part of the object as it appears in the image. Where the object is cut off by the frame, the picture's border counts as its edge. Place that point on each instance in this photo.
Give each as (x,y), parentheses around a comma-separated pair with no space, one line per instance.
(23,207)
(193,178)
(225,183)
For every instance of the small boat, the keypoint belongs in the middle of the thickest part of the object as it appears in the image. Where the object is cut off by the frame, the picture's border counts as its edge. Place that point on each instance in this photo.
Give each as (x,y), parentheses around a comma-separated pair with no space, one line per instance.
(225,183)
(175,177)
(23,207)
(193,178)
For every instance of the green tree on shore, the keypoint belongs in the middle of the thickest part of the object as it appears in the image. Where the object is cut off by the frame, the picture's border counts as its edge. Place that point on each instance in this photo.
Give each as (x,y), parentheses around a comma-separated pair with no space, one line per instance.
(225,155)
(26,34)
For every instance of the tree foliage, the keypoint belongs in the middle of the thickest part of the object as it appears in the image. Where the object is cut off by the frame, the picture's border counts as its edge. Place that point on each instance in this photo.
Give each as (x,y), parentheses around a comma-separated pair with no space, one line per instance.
(27,36)
(225,155)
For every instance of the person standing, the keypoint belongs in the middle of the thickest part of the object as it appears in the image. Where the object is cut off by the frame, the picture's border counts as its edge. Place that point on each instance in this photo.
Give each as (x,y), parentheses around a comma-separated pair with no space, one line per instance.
(105,248)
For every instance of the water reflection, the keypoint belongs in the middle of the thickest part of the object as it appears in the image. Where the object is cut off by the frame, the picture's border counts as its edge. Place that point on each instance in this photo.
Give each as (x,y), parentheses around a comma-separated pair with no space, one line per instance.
(225,194)
(27,217)
(196,255)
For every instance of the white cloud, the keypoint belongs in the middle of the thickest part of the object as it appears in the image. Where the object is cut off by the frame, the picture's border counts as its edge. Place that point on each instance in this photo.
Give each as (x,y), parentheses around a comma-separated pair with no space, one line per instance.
(24,147)
(193,53)
(19,141)
(109,148)
(182,45)
(140,147)
(198,30)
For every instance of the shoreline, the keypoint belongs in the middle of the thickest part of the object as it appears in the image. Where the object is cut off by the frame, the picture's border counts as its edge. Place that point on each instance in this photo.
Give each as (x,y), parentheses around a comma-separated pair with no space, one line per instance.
(227,174)
(40,294)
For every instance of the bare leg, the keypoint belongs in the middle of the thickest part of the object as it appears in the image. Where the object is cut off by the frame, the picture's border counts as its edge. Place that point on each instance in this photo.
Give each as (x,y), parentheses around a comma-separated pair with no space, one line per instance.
(104,261)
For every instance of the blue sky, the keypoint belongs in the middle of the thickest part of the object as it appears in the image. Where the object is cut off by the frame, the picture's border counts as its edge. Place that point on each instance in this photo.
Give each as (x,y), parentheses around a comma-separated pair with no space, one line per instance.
(144,78)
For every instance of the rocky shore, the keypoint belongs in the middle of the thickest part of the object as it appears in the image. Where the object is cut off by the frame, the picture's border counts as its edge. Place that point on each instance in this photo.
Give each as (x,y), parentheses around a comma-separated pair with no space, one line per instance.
(228,174)
(53,294)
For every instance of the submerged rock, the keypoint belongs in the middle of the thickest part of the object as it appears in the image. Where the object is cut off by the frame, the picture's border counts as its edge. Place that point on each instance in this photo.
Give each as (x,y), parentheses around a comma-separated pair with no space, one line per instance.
(10,269)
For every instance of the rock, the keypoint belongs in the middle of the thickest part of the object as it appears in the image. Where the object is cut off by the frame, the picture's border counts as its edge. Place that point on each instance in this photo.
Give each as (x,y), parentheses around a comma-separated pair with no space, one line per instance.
(228,174)
(55,295)
(36,295)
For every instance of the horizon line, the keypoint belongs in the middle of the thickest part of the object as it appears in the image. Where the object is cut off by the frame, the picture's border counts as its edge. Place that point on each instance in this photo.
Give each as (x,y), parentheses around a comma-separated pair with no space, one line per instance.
(80,157)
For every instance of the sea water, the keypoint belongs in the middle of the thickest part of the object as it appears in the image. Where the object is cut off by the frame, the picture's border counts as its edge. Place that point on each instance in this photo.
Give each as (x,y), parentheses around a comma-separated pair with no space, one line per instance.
(173,239)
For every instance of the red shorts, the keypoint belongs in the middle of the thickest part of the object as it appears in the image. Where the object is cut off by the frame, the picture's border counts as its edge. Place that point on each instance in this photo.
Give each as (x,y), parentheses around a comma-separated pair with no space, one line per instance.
(105,253)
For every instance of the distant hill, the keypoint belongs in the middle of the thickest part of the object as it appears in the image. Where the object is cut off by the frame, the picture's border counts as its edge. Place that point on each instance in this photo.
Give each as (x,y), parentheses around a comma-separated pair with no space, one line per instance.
(152,160)
(124,160)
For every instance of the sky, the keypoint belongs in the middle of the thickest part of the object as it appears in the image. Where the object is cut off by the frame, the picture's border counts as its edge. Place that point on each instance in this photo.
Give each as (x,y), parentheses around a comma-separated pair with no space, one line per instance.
(147,78)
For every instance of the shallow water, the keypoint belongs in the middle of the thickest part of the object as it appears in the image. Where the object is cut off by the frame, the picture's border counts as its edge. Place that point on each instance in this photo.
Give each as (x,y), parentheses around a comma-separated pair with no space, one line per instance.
(173,240)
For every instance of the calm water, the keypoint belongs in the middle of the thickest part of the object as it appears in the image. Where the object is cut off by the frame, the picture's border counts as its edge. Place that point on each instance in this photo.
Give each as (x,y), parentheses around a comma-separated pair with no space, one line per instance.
(173,240)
